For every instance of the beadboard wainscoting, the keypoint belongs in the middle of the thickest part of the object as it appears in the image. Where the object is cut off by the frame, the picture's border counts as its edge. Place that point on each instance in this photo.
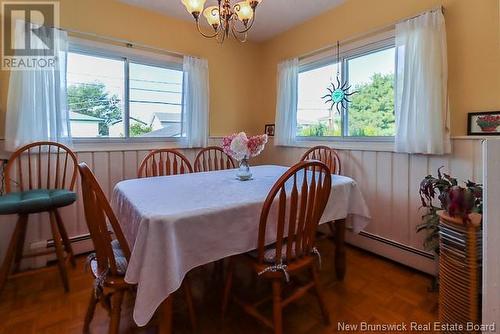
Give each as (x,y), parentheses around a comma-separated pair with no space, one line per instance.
(388,180)
(110,165)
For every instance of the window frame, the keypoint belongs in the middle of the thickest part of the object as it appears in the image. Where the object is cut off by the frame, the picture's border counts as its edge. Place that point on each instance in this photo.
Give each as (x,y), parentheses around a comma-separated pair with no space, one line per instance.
(128,55)
(355,49)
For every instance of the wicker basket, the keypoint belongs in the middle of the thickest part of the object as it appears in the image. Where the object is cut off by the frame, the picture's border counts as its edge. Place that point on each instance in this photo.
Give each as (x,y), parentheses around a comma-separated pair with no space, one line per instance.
(460,264)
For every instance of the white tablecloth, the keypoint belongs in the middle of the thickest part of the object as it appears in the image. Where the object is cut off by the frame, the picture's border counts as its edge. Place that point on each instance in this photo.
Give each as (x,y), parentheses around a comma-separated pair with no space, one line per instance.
(176,223)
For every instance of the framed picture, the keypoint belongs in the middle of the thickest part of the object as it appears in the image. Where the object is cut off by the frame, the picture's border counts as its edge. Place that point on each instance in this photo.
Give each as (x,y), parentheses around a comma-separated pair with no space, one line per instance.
(484,123)
(269,130)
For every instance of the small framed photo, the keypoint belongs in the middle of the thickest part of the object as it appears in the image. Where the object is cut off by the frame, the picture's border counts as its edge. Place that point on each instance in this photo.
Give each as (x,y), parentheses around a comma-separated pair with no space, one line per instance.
(483,123)
(269,130)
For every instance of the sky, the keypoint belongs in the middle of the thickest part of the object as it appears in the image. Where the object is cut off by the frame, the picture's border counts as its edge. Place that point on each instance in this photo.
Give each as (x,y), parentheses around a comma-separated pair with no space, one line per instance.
(147,83)
(313,84)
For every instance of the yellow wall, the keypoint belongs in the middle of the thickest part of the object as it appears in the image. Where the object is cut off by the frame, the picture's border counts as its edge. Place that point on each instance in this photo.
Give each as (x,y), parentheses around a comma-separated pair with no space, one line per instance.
(243,76)
(232,65)
(473,48)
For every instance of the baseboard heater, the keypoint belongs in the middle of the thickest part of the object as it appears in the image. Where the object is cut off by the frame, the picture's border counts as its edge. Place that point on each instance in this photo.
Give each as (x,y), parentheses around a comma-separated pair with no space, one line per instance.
(397,244)
(78,238)
(81,244)
(84,237)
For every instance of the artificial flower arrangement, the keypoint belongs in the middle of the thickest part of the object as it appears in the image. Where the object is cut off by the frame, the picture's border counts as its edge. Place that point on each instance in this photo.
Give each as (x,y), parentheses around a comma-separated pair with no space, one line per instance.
(241,148)
(456,201)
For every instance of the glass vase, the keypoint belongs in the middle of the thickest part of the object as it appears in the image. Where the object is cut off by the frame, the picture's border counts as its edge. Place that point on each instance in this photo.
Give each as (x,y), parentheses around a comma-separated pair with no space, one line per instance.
(244,173)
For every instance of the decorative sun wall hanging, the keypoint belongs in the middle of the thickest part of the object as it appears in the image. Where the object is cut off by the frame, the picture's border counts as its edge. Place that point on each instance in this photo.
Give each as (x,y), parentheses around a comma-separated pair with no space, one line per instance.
(338,94)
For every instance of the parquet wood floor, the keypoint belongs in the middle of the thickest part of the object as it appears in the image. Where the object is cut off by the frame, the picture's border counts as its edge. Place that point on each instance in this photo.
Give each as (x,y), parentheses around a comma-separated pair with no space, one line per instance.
(375,290)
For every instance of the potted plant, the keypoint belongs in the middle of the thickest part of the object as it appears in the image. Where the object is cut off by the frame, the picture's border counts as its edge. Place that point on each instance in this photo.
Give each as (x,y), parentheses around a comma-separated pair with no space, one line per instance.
(443,198)
(454,233)
(443,194)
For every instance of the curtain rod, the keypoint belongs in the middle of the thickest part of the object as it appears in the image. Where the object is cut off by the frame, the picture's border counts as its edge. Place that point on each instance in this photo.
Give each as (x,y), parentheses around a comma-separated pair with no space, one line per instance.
(127,43)
(370,32)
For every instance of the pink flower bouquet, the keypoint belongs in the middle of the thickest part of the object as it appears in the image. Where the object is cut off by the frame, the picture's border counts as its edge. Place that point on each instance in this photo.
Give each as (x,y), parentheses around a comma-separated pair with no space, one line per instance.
(240,147)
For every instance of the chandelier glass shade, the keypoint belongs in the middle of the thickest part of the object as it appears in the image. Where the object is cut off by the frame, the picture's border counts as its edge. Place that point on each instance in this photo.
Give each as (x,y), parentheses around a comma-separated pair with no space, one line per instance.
(225,19)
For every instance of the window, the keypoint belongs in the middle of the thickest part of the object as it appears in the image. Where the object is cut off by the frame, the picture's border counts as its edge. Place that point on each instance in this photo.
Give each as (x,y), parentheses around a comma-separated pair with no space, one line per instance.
(369,70)
(155,101)
(114,95)
(314,118)
(96,89)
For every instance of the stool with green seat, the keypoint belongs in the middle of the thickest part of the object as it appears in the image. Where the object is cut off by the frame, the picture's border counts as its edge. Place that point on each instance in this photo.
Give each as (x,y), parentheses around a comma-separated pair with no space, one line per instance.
(39,177)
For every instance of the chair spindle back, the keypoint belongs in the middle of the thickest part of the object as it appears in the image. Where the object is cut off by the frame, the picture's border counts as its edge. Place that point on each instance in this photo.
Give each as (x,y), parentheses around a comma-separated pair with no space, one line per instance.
(164,162)
(299,198)
(98,213)
(326,155)
(41,165)
(211,159)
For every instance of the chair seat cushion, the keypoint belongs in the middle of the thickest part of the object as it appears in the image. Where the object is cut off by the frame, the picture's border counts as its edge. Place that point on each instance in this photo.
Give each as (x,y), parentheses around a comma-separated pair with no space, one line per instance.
(120,260)
(121,266)
(117,250)
(37,200)
(270,254)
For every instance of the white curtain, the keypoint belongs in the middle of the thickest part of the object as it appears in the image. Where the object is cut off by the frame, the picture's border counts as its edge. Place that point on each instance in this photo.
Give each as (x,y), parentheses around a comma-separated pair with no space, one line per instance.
(286,106)
(196,101)
(422,115)
(37,99)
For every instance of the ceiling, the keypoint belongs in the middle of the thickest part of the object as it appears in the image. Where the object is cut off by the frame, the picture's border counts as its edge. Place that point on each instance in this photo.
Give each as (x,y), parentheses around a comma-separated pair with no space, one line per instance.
(273,16)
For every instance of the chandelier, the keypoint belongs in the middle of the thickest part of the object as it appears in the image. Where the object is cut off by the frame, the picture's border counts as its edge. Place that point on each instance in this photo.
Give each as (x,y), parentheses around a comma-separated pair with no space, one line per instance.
(226,19)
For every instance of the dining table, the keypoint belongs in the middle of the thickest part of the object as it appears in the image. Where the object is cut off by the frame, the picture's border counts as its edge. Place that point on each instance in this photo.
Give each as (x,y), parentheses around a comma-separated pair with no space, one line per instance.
(176,223)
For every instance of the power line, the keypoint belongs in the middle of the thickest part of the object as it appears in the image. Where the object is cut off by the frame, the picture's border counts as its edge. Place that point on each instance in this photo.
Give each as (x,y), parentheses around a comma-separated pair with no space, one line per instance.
(80,109)
(155,102)
(155,90)
(154,81)
(123,78)
(98,102)
(73,83)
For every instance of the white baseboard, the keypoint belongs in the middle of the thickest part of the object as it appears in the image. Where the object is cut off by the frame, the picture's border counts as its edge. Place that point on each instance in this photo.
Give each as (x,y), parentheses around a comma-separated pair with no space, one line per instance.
(80,244)
(394,251)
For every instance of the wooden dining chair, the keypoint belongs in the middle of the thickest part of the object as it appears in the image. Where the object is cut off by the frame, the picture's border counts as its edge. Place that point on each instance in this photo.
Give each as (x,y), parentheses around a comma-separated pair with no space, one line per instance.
(211,159)
(326,155)
(164,162)
(330,158)
(292,211)
(39,177)
(111,255)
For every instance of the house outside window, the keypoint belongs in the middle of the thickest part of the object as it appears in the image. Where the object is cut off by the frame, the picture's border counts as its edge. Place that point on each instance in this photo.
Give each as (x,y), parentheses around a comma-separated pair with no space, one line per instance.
(117,93)
(84,125)
(368,66)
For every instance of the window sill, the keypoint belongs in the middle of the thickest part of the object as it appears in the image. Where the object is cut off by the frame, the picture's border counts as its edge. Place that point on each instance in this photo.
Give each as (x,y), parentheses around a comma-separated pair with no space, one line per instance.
(379,144)
(132,144)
